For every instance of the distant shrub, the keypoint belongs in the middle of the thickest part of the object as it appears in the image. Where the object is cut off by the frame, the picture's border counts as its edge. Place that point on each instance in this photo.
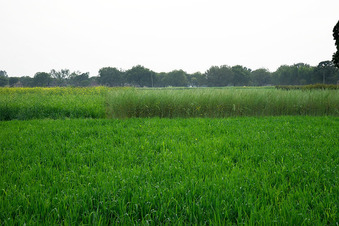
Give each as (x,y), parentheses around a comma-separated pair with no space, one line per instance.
(308,87)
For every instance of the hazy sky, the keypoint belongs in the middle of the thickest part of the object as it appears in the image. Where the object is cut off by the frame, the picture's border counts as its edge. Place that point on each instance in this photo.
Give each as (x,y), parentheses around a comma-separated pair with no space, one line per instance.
(163,35)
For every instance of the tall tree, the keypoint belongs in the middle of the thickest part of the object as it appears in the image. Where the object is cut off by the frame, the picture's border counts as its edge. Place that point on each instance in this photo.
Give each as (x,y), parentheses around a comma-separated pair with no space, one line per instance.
(335,57)
(110,76)
(60,77)
(197,79)
(3,73)
(12,81)
(175,78)
(241,75)
(219,76)
(297,74)
(325,72)
(141,76)
(41,79)
(260,77)
(304,73)
(283,76)
(3,80)
(26,81)
(160,79)
(79,79)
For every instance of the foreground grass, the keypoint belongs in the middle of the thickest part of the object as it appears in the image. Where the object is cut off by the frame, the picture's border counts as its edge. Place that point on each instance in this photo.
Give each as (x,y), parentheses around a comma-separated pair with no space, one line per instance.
(272,170)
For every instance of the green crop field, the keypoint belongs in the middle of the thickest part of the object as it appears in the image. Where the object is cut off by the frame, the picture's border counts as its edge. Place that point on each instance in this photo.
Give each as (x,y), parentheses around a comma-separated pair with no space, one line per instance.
(101,102)
(38,103)
(92,164)
(225,102)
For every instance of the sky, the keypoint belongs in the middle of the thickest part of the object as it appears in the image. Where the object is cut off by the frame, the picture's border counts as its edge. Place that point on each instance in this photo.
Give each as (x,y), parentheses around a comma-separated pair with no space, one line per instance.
(163,35)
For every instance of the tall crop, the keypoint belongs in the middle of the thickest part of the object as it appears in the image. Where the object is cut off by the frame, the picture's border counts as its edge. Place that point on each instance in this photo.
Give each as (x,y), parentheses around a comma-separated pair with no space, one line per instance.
(220,102)
(101,102)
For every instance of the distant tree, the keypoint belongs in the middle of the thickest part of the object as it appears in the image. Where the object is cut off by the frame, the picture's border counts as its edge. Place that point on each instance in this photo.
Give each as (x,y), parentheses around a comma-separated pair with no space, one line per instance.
(325,73)
(26,81)
(261,77)
(110,76)
(79,79)
(219,76)
(42,79)
(196,79)
(241,75)
(283,76)
(3,73)
(12,81)
(159,79)
(140,76)
(3,78)
(175,78)
(297,74)
(335,57)
(60,77)
(302,74)
(94,81)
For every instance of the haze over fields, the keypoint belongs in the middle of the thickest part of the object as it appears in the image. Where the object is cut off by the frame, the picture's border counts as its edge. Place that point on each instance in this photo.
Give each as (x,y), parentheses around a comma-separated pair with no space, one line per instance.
(192,35)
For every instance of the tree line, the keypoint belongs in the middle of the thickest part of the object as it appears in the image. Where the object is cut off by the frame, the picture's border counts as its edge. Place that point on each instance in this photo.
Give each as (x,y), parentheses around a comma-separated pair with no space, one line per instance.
(216,76)
(326,72)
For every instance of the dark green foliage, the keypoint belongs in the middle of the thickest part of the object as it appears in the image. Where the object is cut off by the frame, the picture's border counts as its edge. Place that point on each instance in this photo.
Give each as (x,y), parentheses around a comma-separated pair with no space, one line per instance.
(65,78)
(159,77)
(3,78)
(309,87)
(297,74)
(234,171)
(109,76)
(241,75)
(335,58)
(260,77)
(13,81)
(79,79)
(177,78)
(303,74)
(42,79)
(140,76)
(326,73)
(3,81)
(219,76)
(215,76)
(60,77)
(196,79)
(26,81)
(3,73)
